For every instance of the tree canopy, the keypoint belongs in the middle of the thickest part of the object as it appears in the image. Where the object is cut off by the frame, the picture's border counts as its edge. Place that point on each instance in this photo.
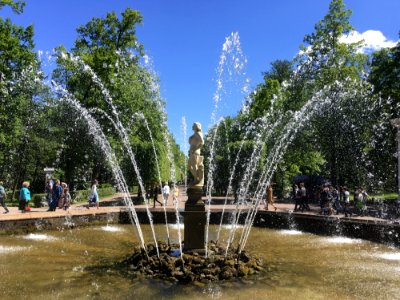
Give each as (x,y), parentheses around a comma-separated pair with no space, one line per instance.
(104,73)
(345,135)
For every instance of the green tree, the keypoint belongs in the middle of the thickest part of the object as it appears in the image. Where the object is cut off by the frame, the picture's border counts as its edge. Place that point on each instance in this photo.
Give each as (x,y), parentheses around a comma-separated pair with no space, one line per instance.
(281,70)
(384,75)
(22,112)
(16,5)
(109,47)
(325,60)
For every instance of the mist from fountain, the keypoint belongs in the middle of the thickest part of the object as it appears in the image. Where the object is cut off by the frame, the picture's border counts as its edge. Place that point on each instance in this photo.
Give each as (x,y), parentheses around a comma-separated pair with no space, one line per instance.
(263,130)
(140,115)
(156,91)
(229,189)
(274,123)
(232,63)
(122,131)
(300,118)
(158,169)
(123,134)
(101,140)
(261,137)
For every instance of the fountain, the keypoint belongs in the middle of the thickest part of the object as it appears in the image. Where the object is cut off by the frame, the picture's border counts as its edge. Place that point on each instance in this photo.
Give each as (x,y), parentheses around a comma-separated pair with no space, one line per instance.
(218,259)
(167,260)
(194,264)
(198,258)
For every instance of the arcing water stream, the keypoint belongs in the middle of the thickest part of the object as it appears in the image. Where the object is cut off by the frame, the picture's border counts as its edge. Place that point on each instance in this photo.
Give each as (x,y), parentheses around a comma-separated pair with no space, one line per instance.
(262,130)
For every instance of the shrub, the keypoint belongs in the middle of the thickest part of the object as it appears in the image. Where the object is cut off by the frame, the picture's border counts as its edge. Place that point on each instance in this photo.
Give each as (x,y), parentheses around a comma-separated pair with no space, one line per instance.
(134,189)
(104,192)
(78,196)
(105,185)
(38,199)
(83,195)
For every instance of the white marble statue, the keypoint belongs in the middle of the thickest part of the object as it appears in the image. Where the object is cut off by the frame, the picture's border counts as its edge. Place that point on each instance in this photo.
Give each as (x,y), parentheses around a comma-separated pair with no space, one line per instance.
(195,162)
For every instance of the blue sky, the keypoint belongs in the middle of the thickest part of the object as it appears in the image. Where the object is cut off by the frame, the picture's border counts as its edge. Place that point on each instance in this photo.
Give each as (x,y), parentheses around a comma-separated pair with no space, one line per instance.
(184,39)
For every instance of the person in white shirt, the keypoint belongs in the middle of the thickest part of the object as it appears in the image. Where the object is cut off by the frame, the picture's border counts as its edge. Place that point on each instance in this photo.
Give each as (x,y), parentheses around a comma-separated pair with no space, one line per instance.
(165,192)
(94,199)
(346,199)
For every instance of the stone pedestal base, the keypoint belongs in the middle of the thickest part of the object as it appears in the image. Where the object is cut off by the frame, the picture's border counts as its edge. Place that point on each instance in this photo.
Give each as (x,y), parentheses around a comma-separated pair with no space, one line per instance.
(194,220)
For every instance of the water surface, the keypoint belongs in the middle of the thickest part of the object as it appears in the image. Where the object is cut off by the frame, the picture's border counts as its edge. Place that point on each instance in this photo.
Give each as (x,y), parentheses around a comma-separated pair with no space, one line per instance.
(77,264)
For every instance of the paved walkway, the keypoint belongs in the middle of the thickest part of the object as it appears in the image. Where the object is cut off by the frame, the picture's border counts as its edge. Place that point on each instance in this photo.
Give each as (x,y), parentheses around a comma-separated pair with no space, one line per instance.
(80,209)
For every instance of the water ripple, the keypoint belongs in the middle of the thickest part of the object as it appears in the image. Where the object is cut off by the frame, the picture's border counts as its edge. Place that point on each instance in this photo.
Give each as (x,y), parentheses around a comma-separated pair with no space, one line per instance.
(39,237)
(389,256)
(11,249)
(290,232)
(112,228)
(342,240)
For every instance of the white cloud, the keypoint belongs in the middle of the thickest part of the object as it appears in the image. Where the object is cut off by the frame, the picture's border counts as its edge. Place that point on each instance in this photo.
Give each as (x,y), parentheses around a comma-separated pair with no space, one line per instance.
(373,40)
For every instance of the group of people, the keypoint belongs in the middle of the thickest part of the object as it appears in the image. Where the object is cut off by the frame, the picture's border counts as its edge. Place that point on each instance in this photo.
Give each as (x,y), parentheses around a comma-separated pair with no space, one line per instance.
(165,191)
(331,199)
(57,194)
(24,197)
(300,197)
(337,200)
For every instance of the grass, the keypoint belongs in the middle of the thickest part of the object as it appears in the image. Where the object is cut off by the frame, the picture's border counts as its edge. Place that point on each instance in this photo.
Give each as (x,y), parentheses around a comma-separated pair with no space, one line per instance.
(385,196)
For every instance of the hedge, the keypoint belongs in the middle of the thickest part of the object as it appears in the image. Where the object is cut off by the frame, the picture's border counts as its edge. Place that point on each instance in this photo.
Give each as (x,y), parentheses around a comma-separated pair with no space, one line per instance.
(83,195)
(77,196)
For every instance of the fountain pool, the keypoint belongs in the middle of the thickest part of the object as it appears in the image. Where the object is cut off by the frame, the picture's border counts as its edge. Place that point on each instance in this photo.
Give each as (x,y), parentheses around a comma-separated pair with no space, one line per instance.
(78,264)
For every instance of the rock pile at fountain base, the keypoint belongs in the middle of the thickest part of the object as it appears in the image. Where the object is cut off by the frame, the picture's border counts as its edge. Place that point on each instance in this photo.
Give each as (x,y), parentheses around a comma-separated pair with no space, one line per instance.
(193,267)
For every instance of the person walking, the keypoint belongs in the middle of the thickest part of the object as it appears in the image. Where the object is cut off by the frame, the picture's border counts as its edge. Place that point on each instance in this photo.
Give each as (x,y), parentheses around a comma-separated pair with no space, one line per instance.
(297,197)
(346,200)
(55,196)
(165,192)
(94,199)
(336,200)
(156,191)
(61,202)
(304,198)
(176,194)
(49,190)
(326,198)
(67,198)
(3,197)
(24,197)
(270,198)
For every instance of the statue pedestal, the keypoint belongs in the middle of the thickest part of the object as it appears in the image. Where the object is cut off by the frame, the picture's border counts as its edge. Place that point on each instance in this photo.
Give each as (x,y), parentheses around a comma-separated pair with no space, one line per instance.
(194,220)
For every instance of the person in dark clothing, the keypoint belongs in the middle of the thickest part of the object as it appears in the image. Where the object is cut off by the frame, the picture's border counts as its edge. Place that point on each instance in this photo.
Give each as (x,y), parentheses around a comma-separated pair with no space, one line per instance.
(56,194)
(346,200)
(304,198)
(326,201)
(156,191)
(336,200)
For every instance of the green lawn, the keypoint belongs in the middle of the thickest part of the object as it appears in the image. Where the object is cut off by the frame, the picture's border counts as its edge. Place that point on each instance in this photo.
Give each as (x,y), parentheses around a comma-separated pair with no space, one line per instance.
(385,196)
